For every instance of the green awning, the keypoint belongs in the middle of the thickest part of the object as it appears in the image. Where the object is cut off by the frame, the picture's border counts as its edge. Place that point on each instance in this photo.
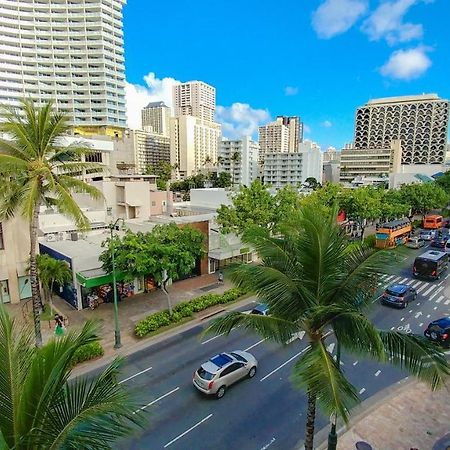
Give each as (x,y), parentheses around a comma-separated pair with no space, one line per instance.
(97,277)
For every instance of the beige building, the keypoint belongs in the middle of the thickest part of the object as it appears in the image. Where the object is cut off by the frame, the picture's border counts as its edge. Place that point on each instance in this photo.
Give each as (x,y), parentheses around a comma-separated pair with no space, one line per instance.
(156,118)
(376,162)
(284,135)
(14,256)
(195,98)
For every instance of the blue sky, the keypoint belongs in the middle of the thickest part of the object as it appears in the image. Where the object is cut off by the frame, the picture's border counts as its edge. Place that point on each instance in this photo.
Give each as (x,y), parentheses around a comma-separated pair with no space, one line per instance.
(318,59)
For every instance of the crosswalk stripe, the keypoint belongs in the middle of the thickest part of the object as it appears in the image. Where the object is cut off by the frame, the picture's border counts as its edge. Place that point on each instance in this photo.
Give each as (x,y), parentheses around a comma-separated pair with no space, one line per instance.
(439,300)
(428,290)
(388,278)
(410,282)
(404,279)
(383,275)
(415,285)
(396,279)
(436,292)
(446,302)
(425,285)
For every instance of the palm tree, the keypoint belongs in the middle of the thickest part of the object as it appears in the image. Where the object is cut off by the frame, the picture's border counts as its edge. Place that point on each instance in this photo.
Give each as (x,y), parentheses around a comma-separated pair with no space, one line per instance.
(36,169)
(313,281)
(41,409)
(51,271)
(235,158)
(220,160)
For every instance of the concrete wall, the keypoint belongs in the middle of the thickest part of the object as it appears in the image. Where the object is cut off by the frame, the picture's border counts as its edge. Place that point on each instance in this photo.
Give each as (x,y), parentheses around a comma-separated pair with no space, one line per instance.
(209,198)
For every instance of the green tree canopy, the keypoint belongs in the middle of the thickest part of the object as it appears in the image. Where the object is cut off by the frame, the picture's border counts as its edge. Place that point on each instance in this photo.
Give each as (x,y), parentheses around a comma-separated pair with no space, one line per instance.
(37,168)
(163,170)
(444,182)
(41,409)
(312,183)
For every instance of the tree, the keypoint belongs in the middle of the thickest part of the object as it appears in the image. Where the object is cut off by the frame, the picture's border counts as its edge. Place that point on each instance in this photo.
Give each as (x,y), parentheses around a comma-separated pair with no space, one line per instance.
(392,205)
(422,198)
(223,180)
(362,205)
(314,282)
(312,183)
(41,409)
(168,252)
(36,169)
(163,170)
(52,271)
(235,159)
(444,182)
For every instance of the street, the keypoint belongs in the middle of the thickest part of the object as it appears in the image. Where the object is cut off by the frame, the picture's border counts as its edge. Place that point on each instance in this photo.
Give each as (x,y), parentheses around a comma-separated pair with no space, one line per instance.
(266,411)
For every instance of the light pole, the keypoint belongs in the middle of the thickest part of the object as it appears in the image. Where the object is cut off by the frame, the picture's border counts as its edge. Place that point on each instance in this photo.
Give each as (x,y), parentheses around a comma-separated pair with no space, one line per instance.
(117,341)
(332,436)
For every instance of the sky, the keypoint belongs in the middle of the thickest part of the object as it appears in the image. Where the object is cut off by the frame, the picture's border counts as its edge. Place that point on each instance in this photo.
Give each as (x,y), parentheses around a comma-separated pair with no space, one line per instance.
(318,59)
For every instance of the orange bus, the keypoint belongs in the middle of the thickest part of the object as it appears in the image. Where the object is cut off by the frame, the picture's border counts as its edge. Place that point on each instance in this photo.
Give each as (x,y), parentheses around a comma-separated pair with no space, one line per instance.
(391,234)
(433,222)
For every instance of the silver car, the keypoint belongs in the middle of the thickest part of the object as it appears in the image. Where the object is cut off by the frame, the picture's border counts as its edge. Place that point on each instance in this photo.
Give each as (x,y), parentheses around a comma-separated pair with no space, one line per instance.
(427,235)
(215,376)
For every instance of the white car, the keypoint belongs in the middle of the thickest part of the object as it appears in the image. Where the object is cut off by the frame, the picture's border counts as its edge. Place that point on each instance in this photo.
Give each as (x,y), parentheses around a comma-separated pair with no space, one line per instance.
(427,235)
(414,242)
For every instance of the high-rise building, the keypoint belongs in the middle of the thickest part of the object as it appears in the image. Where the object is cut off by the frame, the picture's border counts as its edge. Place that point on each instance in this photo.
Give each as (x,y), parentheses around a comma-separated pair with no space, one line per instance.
(156,118)
(420,122)
(240,159)
(70,51)
(283,135)
(195,98)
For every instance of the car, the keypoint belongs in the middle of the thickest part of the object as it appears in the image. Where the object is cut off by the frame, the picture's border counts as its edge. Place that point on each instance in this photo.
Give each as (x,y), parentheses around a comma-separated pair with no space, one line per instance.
(427,235)
(439,242)
(414,242)
(217,374)
(447,247)
(260,309)
(398,295)
(439,331)
(447,224)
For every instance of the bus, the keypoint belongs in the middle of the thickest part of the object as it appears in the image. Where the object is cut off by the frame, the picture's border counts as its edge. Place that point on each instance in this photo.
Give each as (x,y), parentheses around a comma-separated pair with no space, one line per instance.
(430,264)
(391,234)
(433,222)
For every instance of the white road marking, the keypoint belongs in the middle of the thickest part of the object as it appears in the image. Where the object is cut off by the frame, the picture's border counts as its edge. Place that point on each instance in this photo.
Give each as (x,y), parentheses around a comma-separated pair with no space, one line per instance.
(420,324)
(377,373)
(356,362)
(396,279)
(436,293)
(404,279)
(295,336)
(211,339)
(254,345)
(428,316)
(330,348)
(428,290)
(410,282)
(418,315)
(135,375)
(422,287)
(402,319)
(410,311)
(157,400)
(446,276)
(416,284)
(446,302)
(439,300)
(265,447)
(383,275)
(361,391)
(286,362)
(435,308)
(188,430)
(418,303)
(388,278)
(392,328)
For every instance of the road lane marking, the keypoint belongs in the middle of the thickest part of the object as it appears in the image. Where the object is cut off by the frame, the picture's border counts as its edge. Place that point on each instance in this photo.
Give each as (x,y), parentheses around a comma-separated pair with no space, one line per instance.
(377,373)
(254,345)
(416,284)
(404,279)
(211,339)
(361,391)
(188,430)
(418,314)
(396,279)
(388,278)
(295,336)
(446,302)
(420,324)
(428,290)
(435,308)
(439,300)
(446,276)
(402,319)
(436,293)
(410,311)
(422,287)
(265,447)
(392,328)
(410,282)
(330,348)
(156,400)
(135,375)
(287,362)
(428,316)
(356,362)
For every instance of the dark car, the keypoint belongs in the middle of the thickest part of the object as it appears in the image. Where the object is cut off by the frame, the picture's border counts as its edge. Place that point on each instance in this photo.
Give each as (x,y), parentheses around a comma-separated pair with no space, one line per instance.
(261,309)
(439,331)
(439,242)
(398,295)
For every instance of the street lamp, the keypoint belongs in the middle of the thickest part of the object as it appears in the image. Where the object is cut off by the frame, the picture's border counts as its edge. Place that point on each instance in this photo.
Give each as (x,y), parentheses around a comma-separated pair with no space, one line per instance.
(117,341)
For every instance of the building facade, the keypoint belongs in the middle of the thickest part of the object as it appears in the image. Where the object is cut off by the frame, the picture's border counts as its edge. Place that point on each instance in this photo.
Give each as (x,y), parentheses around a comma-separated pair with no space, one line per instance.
(312,161)
(195,98)
(156,118)
(420,122)
(240,159)
(69,51)
(283,135)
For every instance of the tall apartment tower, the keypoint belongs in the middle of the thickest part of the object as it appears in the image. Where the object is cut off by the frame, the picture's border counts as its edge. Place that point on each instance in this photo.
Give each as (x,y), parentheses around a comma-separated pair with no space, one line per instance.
(70,51)
(420,122)
(284,135)
(195,98)
(156,118)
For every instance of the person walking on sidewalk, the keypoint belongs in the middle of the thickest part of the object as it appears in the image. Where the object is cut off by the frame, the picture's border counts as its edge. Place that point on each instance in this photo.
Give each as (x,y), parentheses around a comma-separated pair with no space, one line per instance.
(220,278)
(59,325)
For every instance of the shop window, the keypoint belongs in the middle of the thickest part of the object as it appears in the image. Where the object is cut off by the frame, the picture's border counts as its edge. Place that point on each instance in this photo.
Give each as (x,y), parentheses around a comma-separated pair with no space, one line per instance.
(2,246)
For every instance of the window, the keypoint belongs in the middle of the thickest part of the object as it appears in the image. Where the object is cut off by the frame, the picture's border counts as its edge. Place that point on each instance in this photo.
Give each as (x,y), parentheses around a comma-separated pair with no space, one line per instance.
(4,292)
(2,245)
(153,203)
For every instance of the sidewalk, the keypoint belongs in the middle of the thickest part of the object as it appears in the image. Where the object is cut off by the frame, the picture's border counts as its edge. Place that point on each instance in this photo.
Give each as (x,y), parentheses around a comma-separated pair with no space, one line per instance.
(404,417)
(131,311)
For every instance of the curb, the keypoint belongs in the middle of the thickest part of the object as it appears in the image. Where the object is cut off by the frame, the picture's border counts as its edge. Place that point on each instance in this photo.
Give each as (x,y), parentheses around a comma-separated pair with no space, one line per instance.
(89,366)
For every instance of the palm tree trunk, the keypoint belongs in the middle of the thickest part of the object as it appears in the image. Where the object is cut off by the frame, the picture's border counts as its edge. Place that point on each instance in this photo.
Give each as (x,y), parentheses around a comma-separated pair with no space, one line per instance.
(310,420)
(35,292)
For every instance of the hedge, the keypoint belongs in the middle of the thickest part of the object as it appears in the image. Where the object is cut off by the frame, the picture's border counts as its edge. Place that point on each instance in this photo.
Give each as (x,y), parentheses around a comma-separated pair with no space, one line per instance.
(183,310)
(87,352)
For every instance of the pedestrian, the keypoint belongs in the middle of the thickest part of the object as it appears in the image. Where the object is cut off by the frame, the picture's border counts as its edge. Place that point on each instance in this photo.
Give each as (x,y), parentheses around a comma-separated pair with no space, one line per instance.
(59,325)
(220,278)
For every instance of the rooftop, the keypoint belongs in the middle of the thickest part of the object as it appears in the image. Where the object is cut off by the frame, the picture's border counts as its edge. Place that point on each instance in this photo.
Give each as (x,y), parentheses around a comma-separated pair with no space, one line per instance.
(404,99)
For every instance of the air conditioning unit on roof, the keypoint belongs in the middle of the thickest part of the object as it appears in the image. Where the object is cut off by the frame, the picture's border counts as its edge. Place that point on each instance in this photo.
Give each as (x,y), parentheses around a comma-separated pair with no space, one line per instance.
(50,237)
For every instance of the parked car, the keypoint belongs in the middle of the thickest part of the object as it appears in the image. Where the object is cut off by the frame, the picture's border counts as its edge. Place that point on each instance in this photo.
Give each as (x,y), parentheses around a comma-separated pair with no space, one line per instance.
(215,376)
(398,295)
(414,242)
(261,309)
(439,331)
(427,235)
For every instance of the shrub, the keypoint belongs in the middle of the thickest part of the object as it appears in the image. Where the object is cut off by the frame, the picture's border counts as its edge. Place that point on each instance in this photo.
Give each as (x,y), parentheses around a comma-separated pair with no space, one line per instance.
(185,309)
(87,352)
(370,240)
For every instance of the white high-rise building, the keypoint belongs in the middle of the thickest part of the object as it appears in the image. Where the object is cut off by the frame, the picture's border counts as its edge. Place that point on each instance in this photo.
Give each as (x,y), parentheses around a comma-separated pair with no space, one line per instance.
(240,159)
(195,98)
(70,51)
(156,118)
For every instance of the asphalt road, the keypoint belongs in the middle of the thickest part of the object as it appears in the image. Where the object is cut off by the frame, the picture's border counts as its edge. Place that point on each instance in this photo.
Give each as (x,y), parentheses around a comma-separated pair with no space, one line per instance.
(266,411)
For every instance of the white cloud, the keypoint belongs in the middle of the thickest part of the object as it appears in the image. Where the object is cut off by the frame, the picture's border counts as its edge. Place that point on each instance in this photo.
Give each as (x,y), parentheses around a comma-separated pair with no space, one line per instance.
(334,17)
(387,22)
(138,96)
(290,90)
(326,124)
(240,119)
(407,64)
